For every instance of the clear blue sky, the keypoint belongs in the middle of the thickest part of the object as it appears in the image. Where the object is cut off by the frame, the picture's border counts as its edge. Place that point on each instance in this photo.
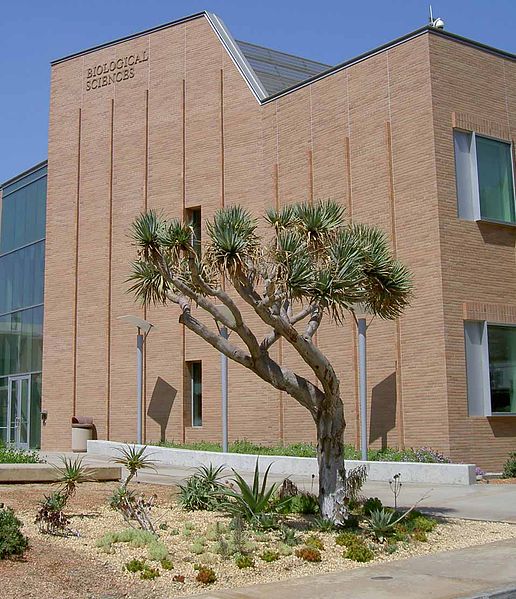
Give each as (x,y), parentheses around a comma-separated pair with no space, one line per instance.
(34,32)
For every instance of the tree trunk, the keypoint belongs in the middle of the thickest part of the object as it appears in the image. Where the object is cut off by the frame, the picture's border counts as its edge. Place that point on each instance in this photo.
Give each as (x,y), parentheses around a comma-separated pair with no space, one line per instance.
(330,425)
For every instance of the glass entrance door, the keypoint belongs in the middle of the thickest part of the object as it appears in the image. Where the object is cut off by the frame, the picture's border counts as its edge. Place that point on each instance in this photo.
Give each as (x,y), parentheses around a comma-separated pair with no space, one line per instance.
(18,411)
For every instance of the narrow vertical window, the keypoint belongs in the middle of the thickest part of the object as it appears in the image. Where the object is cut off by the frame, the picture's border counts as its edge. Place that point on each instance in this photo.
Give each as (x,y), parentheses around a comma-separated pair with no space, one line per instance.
(196,392)
(193,218)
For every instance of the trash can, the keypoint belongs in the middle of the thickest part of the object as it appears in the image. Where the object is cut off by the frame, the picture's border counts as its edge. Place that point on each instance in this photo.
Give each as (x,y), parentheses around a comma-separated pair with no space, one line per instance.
(82,431)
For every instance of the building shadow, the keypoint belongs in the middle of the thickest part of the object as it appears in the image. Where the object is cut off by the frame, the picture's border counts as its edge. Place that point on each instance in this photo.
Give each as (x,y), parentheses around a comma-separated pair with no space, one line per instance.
(160,405)
(502,426)
(497,234)
(383,410)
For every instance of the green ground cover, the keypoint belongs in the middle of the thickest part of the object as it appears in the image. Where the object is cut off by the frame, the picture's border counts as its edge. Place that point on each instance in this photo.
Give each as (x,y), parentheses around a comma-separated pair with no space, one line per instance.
(307,450)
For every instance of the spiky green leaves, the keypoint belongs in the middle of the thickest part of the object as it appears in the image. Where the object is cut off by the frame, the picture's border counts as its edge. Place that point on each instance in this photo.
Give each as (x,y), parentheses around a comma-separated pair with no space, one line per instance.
(234,246)
(387,284)
(155,236)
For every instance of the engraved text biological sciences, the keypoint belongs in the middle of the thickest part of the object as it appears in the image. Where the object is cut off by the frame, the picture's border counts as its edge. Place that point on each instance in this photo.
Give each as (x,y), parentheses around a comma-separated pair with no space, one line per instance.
(117,70)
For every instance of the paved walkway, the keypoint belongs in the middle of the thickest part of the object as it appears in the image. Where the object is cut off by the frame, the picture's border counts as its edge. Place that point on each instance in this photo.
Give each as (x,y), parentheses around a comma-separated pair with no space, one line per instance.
(477,572)
(478,502)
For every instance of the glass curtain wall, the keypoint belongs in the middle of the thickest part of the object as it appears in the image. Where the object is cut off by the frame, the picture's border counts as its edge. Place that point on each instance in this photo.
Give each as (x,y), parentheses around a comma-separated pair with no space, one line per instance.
(22,255)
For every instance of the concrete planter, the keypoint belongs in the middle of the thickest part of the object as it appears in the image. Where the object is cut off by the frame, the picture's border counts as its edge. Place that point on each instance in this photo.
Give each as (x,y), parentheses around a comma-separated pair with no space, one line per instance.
(44,473)
(411,472)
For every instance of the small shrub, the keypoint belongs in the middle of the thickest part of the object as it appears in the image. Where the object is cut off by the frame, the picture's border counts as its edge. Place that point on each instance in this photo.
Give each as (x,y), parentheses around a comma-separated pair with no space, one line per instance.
(509,468)
(206,575)
(244,561)
(423,523)
(347,539)
(223,548)
(359,553)
(371,504)
(166,564)
(323,525)
(50,516)
(163,526)
(419,535)
(284,549)
(309,554)
(11,455)
(174,531)
(178,578)
(197,548)
(135,565)
(304,503)
(269,556)
(12,541)
(149,573)
(314,541)
(157,551)
(288,536)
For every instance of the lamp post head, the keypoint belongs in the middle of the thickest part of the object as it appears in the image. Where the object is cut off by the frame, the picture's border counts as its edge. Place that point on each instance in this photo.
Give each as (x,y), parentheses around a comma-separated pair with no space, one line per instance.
(140,323)
(227,314)
(360,310)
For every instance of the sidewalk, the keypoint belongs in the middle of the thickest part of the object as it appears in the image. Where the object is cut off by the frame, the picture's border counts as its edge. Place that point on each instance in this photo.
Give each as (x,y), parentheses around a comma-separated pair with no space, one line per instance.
(477,572)
(478,502)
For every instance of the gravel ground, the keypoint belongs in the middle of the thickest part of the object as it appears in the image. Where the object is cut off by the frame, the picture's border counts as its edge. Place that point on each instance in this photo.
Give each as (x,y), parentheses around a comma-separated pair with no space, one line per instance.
(74,567)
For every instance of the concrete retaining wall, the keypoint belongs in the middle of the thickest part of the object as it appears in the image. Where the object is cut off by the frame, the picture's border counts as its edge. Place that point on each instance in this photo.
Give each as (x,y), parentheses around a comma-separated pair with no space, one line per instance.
(45,473)
(411,472)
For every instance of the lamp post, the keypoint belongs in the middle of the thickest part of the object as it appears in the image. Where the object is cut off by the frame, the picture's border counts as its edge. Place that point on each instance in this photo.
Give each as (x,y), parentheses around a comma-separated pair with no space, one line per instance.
(143,329)
(360,312)
(224,333)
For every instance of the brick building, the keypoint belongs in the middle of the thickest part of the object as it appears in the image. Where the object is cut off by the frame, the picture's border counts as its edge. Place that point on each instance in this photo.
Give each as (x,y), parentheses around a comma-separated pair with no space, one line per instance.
(415,137)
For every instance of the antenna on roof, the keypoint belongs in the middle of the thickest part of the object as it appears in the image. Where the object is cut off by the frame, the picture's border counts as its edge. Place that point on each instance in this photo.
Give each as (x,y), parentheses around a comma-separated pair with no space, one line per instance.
(438,23)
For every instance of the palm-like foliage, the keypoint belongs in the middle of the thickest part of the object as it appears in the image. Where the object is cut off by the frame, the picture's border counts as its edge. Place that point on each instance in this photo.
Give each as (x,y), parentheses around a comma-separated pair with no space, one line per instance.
(134,460)
(71,473)
(311,265)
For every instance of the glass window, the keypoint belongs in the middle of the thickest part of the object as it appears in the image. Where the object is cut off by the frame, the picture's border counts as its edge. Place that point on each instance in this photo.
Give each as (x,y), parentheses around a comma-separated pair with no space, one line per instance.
(23,215)
(484,177)
(22,276)
(495,182)
(21,341)
(3,410)
(502,368)
(196,392)
(35,412)
(490,368)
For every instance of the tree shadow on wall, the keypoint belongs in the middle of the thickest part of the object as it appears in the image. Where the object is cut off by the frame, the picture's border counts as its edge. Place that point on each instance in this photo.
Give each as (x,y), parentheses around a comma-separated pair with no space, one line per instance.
(160,405)
(383,410)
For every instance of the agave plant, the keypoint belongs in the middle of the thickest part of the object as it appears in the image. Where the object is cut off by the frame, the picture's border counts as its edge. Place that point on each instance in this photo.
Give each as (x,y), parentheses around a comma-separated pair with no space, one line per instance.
(133,460)
(252,502)
(381,522)
(203,490)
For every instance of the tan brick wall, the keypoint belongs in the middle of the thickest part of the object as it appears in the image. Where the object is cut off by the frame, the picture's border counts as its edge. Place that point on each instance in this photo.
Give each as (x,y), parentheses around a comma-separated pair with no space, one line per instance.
(186,132)
(472,90)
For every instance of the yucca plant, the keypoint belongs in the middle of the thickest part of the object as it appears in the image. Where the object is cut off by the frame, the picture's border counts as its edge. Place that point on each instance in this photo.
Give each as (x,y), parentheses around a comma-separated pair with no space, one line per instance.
(71,473)
(134,460)
(133,507)
(310,266)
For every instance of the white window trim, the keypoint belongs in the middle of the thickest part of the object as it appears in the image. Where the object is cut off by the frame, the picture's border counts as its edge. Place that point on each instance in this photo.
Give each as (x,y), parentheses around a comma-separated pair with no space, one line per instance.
(477,368)
(469,207)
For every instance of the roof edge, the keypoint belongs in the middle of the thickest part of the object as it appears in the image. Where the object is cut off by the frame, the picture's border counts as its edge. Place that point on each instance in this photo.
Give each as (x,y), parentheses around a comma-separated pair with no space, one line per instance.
(29,171)
(396,42)
(126,38)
